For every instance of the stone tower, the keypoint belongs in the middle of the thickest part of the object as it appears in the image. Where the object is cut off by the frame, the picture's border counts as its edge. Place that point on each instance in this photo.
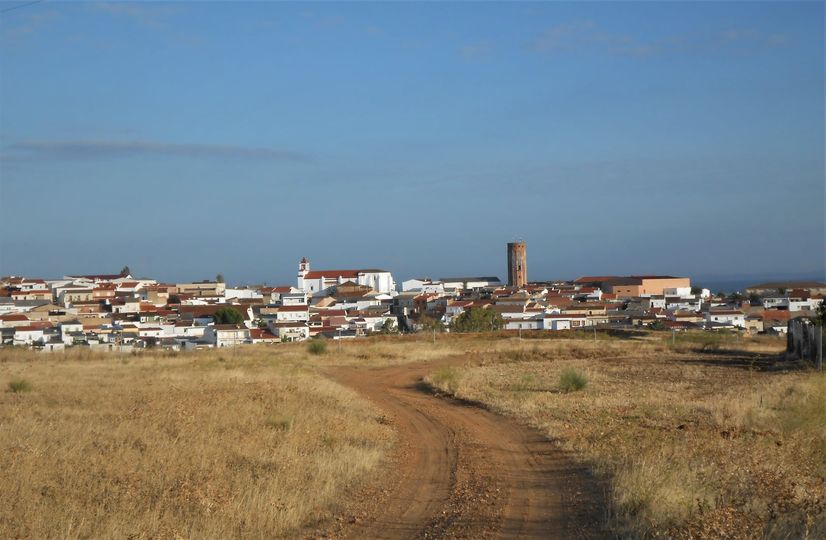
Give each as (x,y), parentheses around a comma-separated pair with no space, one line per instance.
(517,264)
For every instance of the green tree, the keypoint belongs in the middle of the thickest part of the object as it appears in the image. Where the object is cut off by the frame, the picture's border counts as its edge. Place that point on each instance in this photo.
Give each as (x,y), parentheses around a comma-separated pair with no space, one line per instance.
(477,320)
(820,314)
(657,325)
(429,324)
(227,316)
(125,271)
(220,278)
(735,297)
(696,290)
(389,327)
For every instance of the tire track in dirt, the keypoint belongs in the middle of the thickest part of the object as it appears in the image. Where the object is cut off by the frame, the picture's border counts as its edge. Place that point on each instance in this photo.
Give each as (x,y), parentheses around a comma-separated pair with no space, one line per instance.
(461,471)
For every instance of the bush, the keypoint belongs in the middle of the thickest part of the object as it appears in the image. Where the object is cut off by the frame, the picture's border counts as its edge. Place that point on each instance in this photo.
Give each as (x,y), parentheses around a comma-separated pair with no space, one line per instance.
(227,316)
(279,423)
(446,378)
(477,320)
(572,380)
(317,346)
(19,385)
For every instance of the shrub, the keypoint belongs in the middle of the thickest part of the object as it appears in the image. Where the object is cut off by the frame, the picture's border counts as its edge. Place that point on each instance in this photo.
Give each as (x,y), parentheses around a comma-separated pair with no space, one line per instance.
(317,346)
(477,320)
(19,385)
(446,378)
(279,423)
(572,380)
(227,316)
(526,383)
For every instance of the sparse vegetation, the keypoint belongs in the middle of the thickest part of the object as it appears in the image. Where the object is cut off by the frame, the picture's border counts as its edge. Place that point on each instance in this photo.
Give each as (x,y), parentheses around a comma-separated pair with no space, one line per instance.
(703,439)
(446,378)
(317,346)
(572,380)
(280,423)
(429,324)
(19,385)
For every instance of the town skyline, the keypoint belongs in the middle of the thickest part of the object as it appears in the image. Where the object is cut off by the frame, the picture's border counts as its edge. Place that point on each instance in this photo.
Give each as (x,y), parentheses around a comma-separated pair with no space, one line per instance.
(722,283)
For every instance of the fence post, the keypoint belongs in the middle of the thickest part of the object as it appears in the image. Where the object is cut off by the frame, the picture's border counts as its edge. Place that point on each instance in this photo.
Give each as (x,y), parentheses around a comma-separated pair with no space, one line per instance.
(819,348)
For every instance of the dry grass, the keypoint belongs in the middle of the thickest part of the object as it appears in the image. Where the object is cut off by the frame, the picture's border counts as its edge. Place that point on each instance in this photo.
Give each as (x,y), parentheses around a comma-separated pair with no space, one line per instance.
(698,439)
(222,444)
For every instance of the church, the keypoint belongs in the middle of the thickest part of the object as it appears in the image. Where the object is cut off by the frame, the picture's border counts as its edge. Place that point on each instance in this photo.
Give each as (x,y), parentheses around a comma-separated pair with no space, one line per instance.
(320,282)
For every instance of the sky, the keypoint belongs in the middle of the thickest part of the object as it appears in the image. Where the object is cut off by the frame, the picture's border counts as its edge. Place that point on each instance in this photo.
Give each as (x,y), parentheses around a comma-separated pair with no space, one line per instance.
(190,139)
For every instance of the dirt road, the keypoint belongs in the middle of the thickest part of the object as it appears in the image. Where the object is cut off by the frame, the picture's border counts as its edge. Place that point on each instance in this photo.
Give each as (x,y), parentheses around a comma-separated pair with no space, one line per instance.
(463,471)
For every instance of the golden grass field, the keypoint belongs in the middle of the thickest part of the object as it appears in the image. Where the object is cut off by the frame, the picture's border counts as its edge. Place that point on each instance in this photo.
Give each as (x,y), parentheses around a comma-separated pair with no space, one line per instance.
(208,445)
(703,438)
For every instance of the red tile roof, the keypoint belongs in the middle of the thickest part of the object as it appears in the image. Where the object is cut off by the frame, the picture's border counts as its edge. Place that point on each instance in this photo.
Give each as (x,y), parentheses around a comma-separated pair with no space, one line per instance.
(317,274)
(293,308)
(13,317)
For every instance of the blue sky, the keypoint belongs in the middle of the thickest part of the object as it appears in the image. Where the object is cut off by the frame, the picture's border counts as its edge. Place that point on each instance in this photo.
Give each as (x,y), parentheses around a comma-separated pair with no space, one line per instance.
(187,139)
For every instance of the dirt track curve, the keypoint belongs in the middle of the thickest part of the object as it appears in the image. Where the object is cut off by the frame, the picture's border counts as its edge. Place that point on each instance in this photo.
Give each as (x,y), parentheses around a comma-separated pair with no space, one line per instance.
(462,471)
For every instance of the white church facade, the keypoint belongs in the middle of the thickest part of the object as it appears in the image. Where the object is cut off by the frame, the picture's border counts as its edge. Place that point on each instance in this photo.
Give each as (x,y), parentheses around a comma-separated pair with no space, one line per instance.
(320,282)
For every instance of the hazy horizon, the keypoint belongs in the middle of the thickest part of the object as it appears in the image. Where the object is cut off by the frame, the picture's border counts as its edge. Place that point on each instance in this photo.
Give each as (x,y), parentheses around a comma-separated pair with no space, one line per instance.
(188,139)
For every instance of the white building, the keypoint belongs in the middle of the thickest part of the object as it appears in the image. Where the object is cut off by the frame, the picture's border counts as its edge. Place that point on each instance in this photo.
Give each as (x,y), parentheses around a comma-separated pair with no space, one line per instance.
(294,299)
(248,294)
(293,314)
(28,335)
(151,332)
(319,282)
(226,335)
(68,329)
(683,292)
(560,321)
(424,285)
(525,322)
(470,283)
(290,331)
(726,317)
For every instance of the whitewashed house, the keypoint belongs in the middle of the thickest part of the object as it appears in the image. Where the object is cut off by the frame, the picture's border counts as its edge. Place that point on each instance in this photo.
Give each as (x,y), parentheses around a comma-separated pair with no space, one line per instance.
(470,283)
(28,335)
(525,322)
(226,335)
(151,332)
(563,321)
(293,314)
(290,331)
(320,282)
(247,294)
(68,330)
(424,285)
(297,298)
(726,317)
